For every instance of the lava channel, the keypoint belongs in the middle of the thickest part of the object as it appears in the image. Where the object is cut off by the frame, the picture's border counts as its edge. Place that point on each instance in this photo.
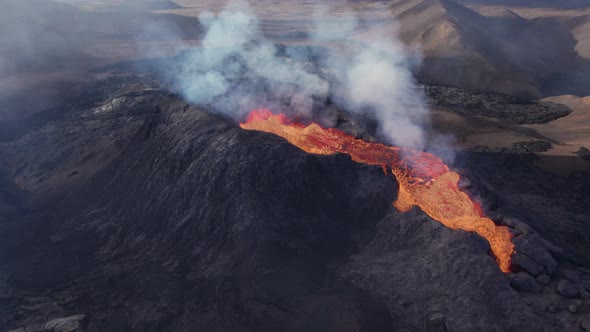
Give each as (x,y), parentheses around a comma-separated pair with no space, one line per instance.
(424,179)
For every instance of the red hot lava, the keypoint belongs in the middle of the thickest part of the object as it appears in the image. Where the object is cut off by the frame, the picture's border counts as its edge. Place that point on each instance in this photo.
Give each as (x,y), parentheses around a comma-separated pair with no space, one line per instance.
(424,179)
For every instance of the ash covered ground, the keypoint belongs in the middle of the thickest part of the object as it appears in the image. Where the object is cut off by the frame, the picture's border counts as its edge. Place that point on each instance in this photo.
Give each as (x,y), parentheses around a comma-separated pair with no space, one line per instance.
(126,207)
(133,210)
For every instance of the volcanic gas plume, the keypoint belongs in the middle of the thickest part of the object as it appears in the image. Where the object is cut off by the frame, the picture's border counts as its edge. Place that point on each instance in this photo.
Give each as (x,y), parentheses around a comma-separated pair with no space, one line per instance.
(424,180)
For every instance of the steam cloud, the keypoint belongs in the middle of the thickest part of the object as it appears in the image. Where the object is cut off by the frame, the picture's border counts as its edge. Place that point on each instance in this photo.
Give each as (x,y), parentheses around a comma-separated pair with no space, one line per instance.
(236,69)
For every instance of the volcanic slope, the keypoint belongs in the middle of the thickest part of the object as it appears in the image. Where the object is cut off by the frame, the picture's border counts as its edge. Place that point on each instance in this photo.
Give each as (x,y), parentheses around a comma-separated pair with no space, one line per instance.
(194,224)
(503,53)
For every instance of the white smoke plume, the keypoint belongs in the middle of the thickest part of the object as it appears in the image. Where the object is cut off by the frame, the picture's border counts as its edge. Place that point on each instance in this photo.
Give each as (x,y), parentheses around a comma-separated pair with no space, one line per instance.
(377,77)
(376,73)
(236,69)
(373,75)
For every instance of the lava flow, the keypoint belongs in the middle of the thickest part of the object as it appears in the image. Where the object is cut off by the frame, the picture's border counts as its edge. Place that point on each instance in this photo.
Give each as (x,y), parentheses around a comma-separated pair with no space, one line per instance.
(424,180)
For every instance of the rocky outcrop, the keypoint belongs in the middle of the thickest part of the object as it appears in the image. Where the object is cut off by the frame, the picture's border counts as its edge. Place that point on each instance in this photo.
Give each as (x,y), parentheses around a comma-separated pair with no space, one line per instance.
(493,105)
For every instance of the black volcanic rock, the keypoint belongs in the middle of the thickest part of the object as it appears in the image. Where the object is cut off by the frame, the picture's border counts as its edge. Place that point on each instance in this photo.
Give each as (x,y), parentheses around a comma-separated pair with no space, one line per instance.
(525,282)
(143,213)
(567,288)
(432,260)
(239,226)
(584,153)
(529,265)
(531,147)
(494,105)
(544,279)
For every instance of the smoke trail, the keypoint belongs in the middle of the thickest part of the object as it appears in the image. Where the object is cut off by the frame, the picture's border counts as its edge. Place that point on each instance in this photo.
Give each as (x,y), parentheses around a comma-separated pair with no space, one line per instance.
(236,69)
(375,73)
(381,81)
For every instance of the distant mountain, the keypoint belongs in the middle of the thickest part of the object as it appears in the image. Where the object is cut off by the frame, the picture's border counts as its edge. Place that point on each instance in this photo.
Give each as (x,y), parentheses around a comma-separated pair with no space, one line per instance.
(506,53)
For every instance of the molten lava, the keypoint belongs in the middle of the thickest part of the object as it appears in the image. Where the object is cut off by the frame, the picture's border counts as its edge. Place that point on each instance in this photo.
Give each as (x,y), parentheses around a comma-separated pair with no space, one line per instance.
(424,180)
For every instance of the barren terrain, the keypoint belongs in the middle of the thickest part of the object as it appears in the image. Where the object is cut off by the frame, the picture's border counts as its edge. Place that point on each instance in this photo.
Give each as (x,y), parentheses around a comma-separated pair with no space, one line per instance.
(124,206)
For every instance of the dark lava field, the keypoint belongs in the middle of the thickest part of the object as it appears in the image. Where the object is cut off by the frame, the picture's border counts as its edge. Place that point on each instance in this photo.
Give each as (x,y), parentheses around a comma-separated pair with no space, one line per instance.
(127,209)
(131,199)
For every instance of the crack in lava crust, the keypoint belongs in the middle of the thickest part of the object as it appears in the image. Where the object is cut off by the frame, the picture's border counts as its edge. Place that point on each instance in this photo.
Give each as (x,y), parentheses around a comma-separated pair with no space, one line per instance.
(424,180)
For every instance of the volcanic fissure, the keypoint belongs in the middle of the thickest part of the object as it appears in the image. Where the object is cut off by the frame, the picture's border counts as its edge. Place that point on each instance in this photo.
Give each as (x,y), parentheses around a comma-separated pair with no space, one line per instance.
(424,179)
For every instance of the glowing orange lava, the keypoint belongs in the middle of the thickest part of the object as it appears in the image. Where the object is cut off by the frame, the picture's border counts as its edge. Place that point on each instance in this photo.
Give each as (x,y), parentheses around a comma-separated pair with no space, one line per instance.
(424,180)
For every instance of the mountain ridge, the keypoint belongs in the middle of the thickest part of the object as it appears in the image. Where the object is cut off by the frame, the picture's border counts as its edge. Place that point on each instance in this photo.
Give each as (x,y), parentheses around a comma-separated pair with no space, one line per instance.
(506,53)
